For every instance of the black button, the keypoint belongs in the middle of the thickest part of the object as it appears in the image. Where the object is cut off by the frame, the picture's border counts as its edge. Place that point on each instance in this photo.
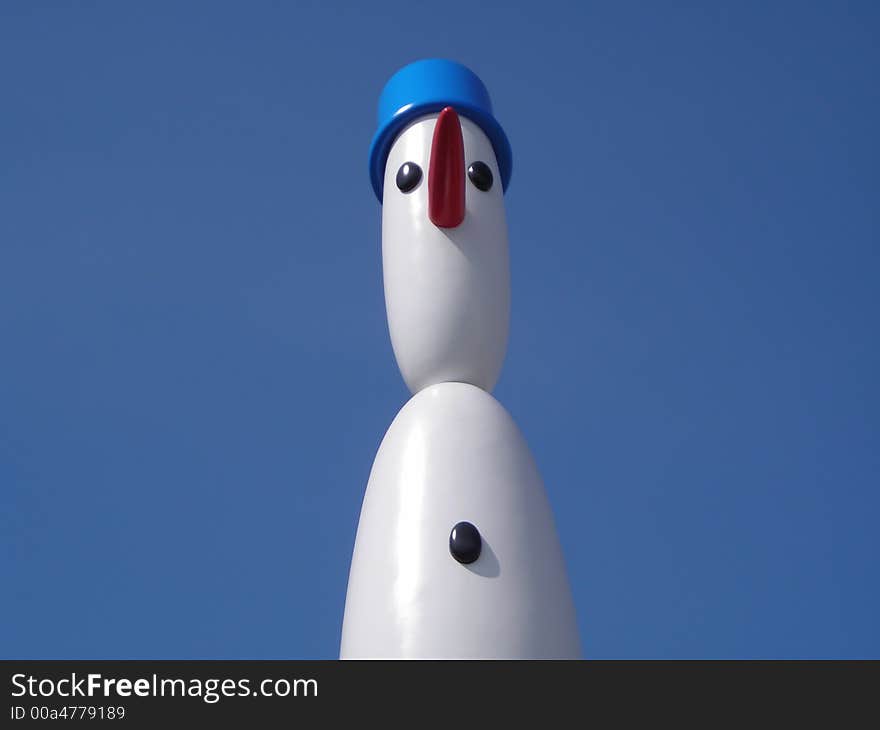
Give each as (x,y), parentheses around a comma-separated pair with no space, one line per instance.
(465,542)
(408,177)
(480,175)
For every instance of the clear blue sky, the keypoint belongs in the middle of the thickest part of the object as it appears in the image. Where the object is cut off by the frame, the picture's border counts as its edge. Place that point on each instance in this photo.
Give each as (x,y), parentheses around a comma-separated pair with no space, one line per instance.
(195,370)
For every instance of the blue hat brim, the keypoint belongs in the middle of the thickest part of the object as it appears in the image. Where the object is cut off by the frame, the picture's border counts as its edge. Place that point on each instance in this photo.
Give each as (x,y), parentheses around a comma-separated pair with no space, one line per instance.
(385,136)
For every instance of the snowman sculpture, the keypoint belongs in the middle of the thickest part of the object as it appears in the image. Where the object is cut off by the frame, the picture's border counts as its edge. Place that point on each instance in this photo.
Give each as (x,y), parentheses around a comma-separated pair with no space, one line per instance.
(456,554)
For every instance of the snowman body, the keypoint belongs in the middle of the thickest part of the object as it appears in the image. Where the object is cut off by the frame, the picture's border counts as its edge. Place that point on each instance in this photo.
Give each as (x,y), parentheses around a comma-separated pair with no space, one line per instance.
(453,453)
(453,456)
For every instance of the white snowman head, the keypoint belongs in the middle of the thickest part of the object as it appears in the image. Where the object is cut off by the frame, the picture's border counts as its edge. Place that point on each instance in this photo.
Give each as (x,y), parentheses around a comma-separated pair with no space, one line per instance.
(440,164)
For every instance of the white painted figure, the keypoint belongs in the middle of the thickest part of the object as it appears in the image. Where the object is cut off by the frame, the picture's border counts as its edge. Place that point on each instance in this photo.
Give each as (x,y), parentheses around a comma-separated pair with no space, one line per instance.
(456,554)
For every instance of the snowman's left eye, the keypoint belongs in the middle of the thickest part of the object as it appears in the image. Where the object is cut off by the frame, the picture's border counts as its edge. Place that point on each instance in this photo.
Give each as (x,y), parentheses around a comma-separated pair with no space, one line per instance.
(408,177)
(481,176)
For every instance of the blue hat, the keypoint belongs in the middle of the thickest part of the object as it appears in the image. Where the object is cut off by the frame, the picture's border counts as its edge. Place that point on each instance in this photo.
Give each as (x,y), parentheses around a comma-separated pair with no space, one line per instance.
(424,87)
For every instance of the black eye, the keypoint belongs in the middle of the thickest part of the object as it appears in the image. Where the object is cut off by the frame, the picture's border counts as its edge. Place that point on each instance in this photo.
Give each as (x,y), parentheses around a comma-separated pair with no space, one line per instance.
(480,175)
(408,177)
(465,543)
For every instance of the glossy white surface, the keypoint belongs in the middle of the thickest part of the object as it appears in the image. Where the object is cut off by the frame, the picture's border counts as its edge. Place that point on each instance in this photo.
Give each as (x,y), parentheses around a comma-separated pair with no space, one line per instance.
(453,453)
(447,290)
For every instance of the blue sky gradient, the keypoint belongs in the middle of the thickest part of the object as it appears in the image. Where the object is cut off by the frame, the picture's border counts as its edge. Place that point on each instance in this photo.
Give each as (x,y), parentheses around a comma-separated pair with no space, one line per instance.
(195,370)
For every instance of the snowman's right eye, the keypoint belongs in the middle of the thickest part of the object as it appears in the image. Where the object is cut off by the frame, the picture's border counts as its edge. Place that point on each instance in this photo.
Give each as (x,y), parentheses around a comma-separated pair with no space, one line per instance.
(408,177)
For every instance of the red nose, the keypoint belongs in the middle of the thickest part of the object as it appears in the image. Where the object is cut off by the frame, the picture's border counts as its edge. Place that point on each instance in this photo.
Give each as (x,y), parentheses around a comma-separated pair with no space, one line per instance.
(446,172)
